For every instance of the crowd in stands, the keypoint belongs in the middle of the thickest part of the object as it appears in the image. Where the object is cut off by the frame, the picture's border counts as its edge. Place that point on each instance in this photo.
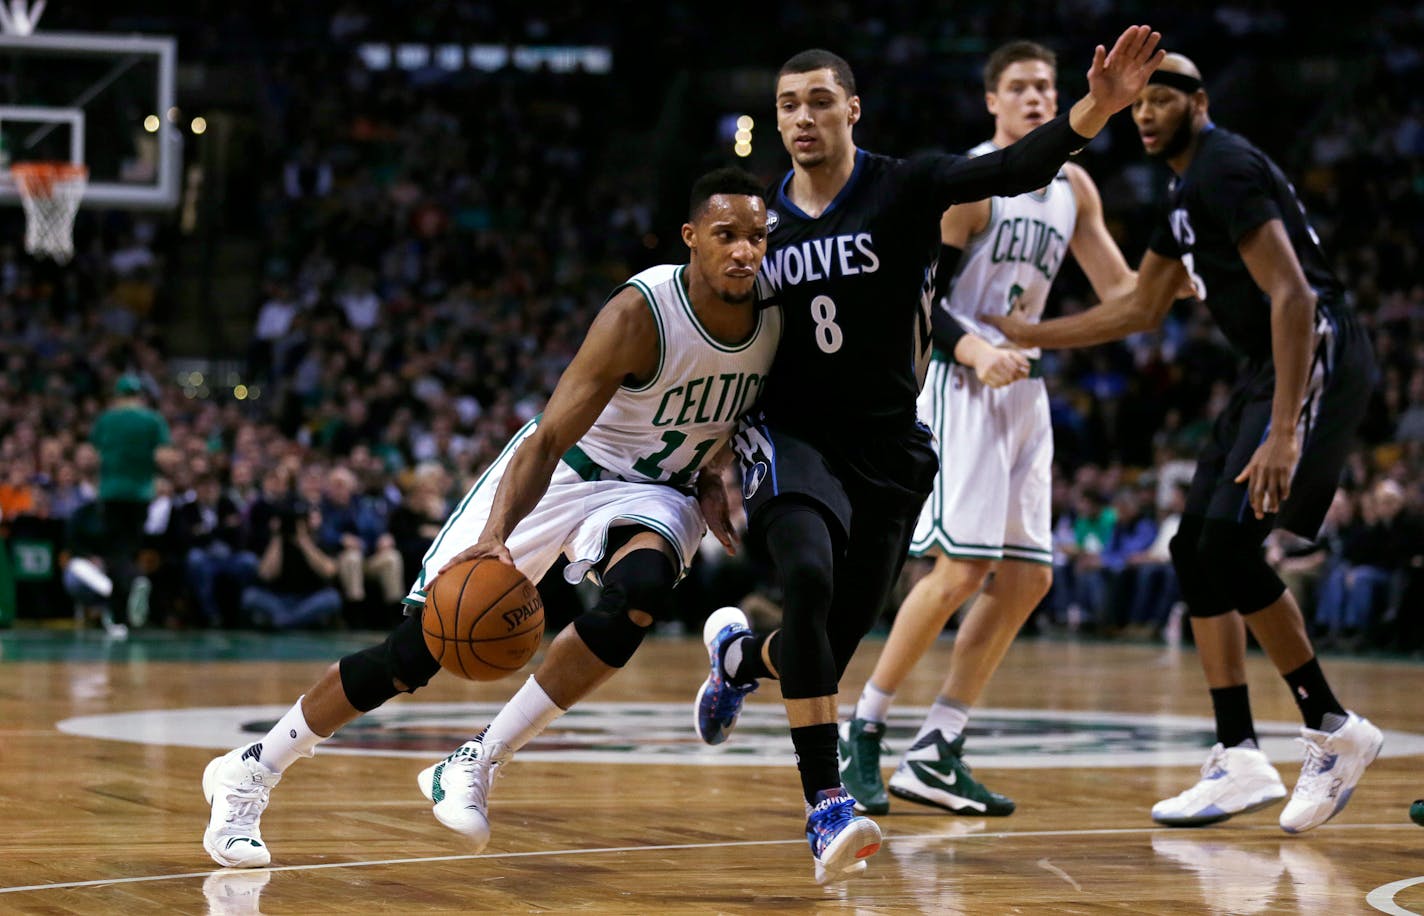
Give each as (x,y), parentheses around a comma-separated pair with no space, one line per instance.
(430,267)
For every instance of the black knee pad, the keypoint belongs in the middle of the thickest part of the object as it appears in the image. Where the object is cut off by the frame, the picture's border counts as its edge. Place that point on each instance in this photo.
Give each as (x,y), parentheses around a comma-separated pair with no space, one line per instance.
(640,581)
(1233,556)
(369,677)
(1193,578)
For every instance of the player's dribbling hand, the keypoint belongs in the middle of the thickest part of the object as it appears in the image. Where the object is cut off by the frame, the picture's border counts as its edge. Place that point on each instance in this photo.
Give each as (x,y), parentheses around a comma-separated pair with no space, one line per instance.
(1268,474)
(485,547)
(1117,76)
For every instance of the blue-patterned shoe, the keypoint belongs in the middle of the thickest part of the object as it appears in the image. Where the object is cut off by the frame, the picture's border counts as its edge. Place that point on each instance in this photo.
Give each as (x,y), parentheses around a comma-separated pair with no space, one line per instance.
(719,701)
(840,839)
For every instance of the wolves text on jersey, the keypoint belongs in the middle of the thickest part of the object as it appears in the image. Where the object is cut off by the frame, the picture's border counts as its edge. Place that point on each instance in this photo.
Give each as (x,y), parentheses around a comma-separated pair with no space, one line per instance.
(817,259)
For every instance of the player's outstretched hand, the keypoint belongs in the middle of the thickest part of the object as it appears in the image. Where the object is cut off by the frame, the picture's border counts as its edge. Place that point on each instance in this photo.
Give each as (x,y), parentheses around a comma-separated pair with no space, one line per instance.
(484,547)
(1117,76)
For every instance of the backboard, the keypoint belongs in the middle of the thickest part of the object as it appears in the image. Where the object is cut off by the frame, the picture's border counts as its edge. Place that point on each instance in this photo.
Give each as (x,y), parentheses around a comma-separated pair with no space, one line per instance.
(102,100)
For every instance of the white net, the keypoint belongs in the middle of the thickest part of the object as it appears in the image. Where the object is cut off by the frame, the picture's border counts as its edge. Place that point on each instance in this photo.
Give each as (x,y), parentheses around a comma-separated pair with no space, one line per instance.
(50,192)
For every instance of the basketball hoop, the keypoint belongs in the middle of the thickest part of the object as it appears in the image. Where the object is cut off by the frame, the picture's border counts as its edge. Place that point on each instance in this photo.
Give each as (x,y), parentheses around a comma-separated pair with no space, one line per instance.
(50,192)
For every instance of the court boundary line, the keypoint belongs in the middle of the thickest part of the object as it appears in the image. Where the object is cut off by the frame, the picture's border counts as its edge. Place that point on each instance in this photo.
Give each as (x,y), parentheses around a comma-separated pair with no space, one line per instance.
(666,847)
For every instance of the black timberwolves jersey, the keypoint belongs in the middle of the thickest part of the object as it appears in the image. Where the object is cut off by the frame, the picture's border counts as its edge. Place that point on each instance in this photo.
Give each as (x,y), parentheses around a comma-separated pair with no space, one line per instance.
(855,284)
(1230,188)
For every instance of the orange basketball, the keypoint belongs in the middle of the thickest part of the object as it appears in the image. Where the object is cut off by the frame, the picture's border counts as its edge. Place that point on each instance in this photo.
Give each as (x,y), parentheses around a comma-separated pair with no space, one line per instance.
(483,620)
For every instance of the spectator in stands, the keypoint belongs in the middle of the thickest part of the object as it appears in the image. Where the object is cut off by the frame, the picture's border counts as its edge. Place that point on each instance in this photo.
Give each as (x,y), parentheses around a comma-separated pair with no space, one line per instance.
(209,527)
(1154,590)
(353,529)
(1360,590)
(293,588)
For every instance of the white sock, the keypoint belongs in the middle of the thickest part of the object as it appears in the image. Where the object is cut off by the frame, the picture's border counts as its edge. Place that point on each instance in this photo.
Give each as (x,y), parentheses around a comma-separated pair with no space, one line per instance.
(874,703)
(289,739)
(526,714)
(947,717)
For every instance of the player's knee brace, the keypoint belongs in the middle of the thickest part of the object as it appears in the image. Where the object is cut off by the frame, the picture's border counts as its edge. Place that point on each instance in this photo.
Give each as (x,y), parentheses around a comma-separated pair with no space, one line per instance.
(1193,577)
(640,581)
(369,677)
(1233,557)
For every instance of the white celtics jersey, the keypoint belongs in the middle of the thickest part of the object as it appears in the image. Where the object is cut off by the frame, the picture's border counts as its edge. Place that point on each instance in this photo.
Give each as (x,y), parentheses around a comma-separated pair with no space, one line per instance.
(664,430)
(1009,267)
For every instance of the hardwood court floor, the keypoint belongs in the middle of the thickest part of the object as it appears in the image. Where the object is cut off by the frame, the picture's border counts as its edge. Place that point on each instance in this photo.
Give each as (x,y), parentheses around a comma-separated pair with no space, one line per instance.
(106,815)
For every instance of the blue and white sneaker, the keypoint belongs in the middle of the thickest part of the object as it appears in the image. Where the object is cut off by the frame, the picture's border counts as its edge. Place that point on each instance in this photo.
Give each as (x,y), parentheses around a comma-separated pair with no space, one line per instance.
(1235,780)
(840,839)
(1334,763)
(719,701)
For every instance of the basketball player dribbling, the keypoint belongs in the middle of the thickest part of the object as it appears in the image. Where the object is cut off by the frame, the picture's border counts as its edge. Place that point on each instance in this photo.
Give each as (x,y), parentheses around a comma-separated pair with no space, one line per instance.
(605,477)
(835,466)
(1234,228)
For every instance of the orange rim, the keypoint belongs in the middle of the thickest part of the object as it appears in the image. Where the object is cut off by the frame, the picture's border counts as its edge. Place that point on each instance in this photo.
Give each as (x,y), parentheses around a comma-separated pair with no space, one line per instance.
(37,179)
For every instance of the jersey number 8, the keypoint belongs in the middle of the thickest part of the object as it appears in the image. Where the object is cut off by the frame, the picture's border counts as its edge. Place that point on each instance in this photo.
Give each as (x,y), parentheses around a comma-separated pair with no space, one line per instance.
(828,334)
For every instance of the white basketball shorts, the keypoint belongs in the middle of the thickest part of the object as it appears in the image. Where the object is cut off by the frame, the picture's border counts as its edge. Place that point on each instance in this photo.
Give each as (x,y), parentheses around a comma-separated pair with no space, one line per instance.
(992,498)
(573,518)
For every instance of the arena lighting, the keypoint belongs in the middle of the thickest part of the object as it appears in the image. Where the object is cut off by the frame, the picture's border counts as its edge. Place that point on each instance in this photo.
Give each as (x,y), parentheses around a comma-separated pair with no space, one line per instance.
(151,124)
(200,124)
(743,150)
(488,58)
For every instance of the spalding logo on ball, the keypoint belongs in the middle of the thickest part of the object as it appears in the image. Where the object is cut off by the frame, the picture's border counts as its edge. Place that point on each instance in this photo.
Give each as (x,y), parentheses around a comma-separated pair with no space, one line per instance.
(483,620)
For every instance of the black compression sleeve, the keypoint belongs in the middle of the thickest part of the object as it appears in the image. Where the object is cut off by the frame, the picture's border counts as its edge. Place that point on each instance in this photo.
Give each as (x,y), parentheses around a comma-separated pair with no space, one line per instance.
(945,329)
(1018,168)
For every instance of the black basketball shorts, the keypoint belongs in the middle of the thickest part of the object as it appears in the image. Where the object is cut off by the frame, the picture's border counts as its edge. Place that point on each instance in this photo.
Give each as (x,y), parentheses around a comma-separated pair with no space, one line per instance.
(1337,394)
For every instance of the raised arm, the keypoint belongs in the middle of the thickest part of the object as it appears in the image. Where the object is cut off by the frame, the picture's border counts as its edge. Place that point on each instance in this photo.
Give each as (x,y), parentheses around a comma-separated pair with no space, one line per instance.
(621,344)
(1142,309)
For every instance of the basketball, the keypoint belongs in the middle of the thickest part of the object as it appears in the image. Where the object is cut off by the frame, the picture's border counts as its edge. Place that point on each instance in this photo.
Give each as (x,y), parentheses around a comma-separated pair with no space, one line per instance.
(1416,812)
(483,620)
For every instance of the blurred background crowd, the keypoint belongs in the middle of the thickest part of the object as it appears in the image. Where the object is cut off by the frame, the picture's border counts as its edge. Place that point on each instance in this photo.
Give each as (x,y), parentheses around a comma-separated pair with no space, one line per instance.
(420,252)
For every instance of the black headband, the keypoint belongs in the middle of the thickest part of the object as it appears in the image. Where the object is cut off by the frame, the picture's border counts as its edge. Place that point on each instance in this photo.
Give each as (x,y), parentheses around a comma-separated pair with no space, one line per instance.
(1179,81)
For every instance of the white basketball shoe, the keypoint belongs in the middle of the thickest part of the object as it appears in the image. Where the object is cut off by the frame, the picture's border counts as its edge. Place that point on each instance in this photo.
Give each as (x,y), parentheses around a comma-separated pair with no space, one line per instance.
(1334,763)
(238,787)
(1235,780)
(460,785)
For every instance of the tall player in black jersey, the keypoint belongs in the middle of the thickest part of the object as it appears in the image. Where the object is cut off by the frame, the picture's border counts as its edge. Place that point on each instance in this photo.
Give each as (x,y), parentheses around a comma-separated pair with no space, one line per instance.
(1234,228)
(835,465)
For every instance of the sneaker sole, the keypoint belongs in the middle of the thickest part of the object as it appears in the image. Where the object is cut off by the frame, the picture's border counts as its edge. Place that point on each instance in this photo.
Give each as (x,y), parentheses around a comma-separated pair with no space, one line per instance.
(967,811)
(848,853)
(697,718)
(1203,820)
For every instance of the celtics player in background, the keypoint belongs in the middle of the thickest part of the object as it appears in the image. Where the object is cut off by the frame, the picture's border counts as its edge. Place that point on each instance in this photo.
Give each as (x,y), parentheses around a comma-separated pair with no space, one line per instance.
(988,408)
(834,464)
(133,443)
(1235,230)
(604,476)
